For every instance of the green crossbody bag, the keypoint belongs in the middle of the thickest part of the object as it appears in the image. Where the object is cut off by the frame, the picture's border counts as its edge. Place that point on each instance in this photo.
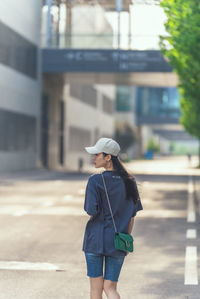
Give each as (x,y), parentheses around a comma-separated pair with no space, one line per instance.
(122,241)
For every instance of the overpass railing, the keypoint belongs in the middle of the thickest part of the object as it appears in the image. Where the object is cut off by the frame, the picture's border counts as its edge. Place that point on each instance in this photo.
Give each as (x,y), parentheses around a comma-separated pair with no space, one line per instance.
(101,41)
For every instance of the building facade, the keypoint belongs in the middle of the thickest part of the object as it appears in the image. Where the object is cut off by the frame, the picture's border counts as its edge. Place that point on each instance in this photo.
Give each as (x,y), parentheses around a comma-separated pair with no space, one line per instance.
(74,113)
(158,114)
(19,84)
(73,116)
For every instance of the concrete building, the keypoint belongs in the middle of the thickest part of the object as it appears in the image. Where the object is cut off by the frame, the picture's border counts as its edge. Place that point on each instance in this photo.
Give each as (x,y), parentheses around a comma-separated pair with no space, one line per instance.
(158,111)
(19,84)
(74,116)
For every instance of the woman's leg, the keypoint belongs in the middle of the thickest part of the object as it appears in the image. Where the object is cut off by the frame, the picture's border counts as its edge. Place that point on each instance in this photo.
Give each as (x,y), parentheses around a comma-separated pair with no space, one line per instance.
(113,265)
(96,287)
(110,288)
(95,272)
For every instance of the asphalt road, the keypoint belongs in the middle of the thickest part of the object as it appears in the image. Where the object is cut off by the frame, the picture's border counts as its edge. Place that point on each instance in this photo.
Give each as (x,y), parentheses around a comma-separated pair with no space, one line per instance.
(42,224)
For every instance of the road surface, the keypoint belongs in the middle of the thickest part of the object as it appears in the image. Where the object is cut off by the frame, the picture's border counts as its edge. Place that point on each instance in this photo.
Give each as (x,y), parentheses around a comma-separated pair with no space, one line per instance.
(42,225)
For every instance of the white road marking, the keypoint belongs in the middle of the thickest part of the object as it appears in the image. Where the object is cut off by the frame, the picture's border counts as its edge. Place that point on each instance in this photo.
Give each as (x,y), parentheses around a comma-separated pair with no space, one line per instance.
(191,270)
(191,215)
(191,234)
(14,265)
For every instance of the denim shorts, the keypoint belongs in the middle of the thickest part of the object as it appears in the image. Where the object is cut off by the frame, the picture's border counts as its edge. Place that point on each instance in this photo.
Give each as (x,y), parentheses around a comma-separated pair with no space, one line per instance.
(112,266)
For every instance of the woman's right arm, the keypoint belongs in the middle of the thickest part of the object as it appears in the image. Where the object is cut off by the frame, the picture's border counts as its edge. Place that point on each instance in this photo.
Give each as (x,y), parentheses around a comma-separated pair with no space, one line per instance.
(91,204)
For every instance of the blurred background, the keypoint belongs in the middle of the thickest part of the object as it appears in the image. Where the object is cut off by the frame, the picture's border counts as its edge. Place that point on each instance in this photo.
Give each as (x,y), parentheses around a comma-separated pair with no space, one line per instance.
(72,71)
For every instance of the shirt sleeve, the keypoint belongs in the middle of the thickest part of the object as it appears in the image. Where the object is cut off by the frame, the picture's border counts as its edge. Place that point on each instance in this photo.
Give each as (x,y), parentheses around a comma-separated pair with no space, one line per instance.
(138,207)
(91,205)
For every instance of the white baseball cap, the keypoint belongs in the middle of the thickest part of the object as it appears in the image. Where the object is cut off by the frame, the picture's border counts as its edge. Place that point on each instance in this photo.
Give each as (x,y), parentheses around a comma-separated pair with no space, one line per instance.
(104,145)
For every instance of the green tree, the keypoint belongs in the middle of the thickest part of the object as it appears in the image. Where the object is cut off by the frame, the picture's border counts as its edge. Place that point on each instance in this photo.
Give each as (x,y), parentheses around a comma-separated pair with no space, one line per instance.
(153,146)
(182,48)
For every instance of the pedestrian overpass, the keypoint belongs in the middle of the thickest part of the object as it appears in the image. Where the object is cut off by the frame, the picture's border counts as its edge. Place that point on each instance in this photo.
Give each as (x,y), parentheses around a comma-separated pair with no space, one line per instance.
(97,56)
(109,66)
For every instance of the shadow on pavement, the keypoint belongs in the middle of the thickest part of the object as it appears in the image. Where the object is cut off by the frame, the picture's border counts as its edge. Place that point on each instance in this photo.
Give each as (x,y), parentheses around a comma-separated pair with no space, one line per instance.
(42,175)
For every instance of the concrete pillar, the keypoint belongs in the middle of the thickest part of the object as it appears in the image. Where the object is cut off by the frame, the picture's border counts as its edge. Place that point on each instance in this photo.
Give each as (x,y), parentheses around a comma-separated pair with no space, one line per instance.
(53,87)
(129,30)
(58,28)
(139,145)
(48,32)
(68,25)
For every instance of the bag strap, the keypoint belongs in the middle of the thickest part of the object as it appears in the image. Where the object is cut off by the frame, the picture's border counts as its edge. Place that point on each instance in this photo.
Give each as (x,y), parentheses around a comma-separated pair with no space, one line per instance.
(109,203)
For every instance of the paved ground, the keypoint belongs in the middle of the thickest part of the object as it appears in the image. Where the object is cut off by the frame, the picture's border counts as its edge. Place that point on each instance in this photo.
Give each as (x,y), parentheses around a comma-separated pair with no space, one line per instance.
(42,225)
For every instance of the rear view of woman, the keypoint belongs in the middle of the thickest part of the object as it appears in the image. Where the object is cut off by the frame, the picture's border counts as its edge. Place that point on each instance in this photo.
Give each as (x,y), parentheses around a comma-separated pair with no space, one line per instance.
(104,261)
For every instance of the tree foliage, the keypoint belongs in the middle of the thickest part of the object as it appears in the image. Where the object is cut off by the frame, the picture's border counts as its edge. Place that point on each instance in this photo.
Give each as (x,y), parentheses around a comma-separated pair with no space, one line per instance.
(153,145)
(182,48)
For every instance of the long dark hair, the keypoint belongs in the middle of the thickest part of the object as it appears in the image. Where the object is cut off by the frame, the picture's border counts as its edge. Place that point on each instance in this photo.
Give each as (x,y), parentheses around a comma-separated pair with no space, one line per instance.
(129,180)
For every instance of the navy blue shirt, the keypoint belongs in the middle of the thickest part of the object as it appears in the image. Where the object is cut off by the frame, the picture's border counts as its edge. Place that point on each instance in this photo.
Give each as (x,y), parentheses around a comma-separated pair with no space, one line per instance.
(99,232)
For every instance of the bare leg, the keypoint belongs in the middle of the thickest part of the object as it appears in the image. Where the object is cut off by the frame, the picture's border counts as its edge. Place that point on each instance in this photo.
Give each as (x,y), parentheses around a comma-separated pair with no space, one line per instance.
(110,288)
(96,287)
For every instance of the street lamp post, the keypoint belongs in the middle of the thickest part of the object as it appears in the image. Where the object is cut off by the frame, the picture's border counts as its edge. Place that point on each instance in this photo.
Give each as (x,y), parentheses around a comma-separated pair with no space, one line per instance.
(48,23)
(118,9)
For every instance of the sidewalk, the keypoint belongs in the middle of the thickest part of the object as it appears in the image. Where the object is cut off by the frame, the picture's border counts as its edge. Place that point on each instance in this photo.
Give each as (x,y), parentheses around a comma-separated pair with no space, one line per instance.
(39,174)
(159,165)
(165,165)
(174,166)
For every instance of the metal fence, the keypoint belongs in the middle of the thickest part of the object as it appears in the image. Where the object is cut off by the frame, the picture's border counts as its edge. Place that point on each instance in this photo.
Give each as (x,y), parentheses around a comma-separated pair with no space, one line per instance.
(102,41)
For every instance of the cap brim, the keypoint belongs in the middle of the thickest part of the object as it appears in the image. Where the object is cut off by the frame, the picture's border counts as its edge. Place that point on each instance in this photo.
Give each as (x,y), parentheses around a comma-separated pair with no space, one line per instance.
(92,150)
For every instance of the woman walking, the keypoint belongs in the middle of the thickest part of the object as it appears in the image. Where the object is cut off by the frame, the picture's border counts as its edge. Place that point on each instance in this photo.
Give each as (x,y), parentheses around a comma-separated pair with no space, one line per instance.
(116,184)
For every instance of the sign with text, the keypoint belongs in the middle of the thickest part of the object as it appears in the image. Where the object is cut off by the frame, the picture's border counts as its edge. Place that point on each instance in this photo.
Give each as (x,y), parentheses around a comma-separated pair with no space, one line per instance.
(64,60)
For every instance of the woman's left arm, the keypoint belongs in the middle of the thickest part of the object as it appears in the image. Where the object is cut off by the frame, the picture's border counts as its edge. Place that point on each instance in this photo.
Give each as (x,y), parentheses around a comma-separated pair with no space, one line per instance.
(130,227)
